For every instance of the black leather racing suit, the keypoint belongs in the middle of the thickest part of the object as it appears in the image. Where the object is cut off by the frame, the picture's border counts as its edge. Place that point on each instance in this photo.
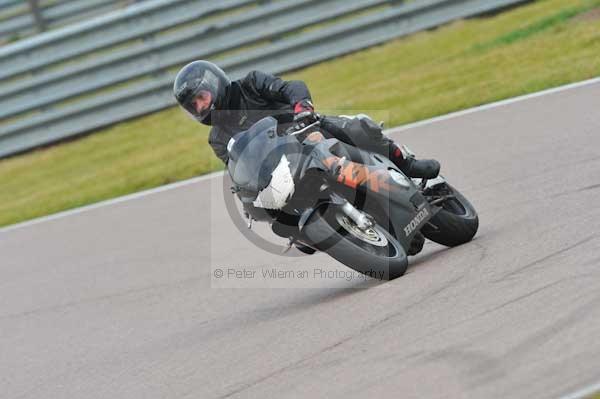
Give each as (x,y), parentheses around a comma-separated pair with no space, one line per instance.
(259,95)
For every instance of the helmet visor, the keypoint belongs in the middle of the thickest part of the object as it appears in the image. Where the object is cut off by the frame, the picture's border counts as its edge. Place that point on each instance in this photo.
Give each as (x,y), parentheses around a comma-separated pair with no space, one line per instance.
(200,104)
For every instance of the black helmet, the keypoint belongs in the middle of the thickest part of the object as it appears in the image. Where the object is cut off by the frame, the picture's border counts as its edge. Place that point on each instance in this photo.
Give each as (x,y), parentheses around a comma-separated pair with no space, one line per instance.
(196,77)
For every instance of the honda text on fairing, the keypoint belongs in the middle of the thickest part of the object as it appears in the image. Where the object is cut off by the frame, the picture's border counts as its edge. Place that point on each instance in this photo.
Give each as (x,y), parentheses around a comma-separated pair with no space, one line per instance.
(357,206)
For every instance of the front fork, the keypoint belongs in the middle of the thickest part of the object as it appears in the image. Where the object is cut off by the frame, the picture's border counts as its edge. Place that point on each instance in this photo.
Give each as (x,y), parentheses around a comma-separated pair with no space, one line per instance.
(361,219)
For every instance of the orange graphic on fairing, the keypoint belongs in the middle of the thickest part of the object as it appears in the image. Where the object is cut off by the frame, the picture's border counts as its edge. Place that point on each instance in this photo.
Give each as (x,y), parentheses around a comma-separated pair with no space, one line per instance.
(315,137)
(354,174)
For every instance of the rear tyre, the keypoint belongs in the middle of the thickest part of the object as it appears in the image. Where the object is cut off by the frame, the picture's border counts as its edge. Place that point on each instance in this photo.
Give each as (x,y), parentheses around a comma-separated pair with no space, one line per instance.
(374,252)
(456,223)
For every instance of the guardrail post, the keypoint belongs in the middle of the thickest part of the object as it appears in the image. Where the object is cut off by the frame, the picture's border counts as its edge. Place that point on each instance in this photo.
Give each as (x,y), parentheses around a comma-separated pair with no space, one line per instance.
(34,7)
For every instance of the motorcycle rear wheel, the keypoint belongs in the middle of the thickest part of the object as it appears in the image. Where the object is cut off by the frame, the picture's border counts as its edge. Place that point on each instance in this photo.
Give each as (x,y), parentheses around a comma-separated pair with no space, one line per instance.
(455,224)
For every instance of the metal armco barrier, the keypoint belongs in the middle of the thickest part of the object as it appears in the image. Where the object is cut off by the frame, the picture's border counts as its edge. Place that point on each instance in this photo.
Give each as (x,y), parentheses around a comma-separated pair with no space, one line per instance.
(122,65)
(21,18)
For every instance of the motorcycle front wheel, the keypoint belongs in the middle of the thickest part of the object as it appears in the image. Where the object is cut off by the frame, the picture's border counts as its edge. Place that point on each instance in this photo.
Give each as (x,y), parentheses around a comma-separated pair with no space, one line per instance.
(373,252)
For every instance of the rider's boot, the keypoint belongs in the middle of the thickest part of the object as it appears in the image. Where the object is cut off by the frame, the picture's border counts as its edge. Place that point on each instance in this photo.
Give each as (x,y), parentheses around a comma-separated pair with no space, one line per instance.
(417,168)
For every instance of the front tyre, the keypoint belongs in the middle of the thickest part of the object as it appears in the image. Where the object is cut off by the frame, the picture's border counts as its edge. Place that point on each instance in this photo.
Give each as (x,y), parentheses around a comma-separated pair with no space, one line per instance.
(373,252)
(456,223)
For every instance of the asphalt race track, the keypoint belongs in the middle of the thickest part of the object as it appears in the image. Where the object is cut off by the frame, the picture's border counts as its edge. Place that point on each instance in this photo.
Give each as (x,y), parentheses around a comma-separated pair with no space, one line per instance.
(121,301)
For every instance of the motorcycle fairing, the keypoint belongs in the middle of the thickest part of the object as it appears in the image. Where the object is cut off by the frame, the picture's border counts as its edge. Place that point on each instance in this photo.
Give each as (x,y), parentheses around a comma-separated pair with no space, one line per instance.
(399,198)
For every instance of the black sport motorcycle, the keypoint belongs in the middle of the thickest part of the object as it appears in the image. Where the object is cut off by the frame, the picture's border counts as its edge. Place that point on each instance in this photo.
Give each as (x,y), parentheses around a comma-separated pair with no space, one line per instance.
(357,206)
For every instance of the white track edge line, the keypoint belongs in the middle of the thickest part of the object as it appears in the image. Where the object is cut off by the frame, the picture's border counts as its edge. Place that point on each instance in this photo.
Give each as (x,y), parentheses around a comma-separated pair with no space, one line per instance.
(496,104)
(583,392)
(194,180)
(112,201)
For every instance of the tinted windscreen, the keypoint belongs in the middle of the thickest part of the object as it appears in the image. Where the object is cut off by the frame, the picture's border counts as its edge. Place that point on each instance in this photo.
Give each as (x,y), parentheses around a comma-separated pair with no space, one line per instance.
(256,153)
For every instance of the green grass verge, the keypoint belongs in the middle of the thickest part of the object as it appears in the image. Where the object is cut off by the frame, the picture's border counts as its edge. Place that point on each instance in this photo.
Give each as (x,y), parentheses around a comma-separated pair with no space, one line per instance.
(465,64)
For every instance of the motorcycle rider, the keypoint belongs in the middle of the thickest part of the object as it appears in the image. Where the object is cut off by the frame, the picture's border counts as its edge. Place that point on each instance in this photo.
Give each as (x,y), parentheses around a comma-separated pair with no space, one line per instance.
(210,97)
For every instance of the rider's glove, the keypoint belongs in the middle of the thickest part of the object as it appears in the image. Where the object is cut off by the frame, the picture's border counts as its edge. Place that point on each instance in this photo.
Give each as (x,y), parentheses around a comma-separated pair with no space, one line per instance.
(304,114)
(303,106)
